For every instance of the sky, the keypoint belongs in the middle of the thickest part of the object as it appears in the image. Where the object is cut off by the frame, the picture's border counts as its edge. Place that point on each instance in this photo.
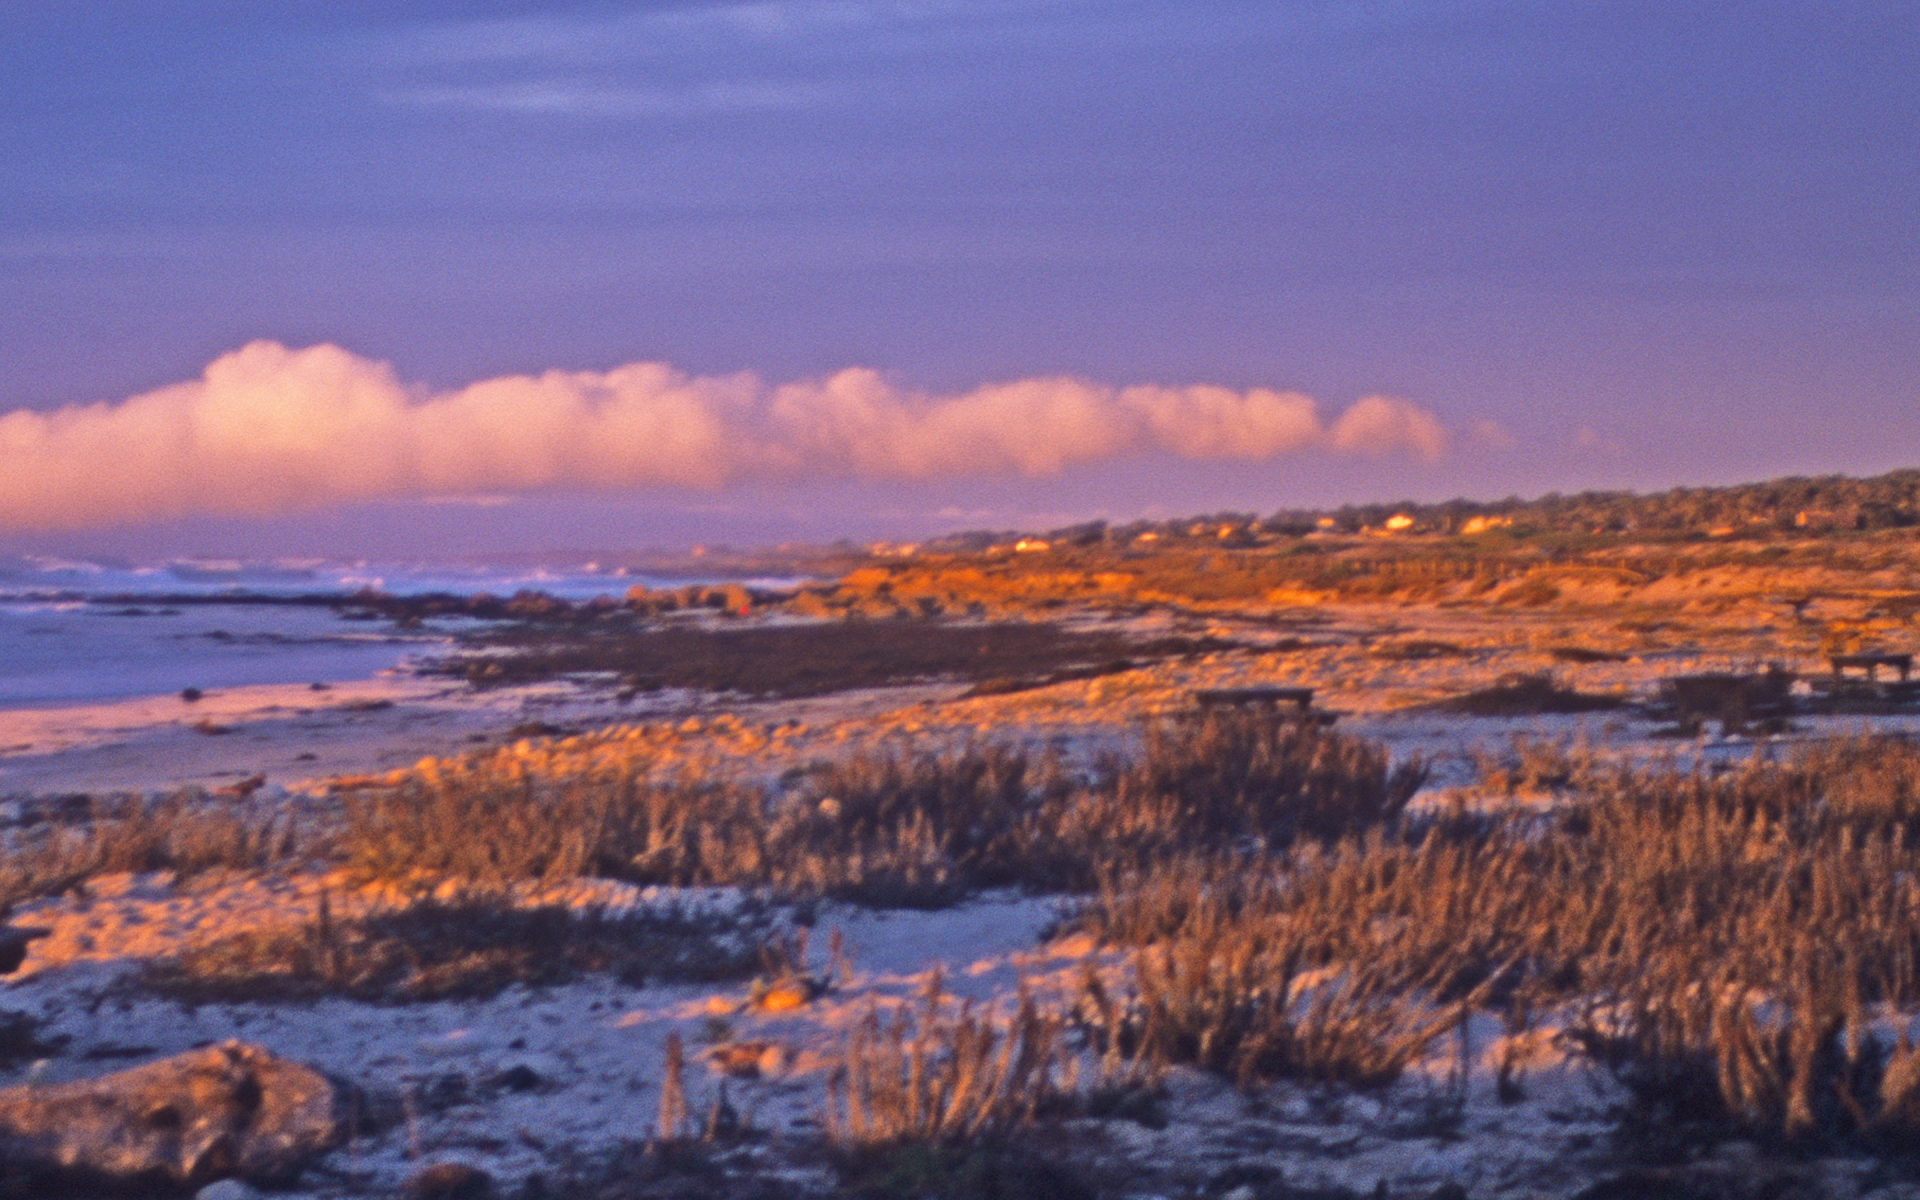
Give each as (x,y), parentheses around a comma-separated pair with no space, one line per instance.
(467,275)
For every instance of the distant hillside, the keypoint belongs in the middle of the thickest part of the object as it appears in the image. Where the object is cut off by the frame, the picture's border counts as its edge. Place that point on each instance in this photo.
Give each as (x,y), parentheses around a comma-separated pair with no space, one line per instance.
(1829,502)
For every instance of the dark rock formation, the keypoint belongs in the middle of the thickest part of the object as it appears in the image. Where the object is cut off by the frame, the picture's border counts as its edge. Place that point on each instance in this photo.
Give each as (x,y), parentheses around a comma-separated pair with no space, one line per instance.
(227,1111)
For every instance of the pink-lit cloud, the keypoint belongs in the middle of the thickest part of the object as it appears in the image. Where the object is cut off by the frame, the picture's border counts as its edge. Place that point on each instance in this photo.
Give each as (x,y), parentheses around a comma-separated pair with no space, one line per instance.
(1382,424)
(267,429)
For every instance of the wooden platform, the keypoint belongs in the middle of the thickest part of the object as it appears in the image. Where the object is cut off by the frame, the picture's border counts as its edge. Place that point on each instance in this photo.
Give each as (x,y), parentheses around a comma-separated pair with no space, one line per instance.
(1254,697)
(1901,664)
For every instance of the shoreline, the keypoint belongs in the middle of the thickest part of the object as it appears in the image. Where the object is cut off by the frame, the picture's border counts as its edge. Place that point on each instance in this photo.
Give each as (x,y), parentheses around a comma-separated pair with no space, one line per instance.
(597,1047)
(301,735)
(298,736)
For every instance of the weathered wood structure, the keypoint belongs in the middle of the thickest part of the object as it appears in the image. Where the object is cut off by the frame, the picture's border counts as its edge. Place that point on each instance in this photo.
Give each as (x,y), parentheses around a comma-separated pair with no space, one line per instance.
(1900,664)
(1295,703)
(1254,697)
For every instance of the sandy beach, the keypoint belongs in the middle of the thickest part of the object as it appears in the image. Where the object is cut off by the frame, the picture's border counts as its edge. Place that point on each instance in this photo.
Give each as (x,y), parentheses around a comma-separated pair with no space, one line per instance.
(536,1082)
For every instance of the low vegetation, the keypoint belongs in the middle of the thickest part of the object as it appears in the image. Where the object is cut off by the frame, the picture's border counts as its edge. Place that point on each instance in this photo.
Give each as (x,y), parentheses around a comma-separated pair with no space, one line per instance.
(889,827)
(78,838)
(808,658)
(1739,948)
(1790,541)
(945,1072)
(464,948)
(1528,694)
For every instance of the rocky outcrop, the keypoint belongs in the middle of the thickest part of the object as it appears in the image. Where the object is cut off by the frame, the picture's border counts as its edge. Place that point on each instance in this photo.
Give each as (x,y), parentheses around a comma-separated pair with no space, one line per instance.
(231,1111)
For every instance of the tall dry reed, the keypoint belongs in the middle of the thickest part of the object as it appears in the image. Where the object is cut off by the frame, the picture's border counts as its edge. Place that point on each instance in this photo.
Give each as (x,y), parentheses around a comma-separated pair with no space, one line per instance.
(185,832)
(888,826)
(1739,937)
(945,1072)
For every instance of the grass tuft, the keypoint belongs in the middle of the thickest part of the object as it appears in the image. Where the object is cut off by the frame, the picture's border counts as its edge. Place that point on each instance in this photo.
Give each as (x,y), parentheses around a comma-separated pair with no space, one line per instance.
(465,948)
(1731,945)
(184,832)
(1527,694)
(889,827)
(945,1074)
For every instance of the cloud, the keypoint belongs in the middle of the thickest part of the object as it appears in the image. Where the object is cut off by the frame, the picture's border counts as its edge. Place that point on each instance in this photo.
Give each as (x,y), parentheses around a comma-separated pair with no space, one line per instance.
(594,37)
(1587,438)
(1379,425)
(1215,422)
(1493,435)
(267,429)
(575,98)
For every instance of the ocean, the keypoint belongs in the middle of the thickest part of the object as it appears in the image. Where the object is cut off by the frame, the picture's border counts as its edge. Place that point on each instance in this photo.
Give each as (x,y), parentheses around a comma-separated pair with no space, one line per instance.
(76,632)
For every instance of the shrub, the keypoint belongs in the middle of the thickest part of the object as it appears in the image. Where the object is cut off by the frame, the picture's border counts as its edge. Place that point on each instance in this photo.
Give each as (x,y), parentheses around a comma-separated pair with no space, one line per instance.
(1526,694)
(467,947)
(1235,776)
(802,659)
(1727,936)
(884,826)
(937,1074)
(1731,699)
(184,832)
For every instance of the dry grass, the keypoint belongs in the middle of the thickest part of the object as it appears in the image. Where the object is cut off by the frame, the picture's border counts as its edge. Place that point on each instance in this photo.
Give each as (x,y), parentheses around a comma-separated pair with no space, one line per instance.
(1733,700)
(812,658)
(881,826)
(1243,973)
(185,833)
(1527,694)
(1727,941)
(1734,944)
(946,1074)
(888,827)
(1245,1009)
(464,948)
(1231,779)
(502,820)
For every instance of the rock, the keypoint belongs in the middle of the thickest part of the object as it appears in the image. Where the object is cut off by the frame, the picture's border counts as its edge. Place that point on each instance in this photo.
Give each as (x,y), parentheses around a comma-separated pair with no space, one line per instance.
(750,1060)
(450,1181)
(519,1078)
(228,1111)
(240,789)
(787,993)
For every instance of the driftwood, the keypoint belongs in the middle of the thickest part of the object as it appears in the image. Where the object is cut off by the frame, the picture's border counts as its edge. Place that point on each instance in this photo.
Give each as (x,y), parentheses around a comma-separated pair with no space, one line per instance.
(231,1111)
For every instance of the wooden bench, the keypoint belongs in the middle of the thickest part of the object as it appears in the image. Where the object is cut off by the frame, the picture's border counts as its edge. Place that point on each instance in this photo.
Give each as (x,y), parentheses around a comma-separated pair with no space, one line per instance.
(1254,697)
(1902,664)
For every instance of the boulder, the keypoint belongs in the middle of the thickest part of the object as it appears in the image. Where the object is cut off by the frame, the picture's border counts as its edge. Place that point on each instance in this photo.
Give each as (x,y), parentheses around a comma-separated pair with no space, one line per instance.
(231,1111)
(450,1181)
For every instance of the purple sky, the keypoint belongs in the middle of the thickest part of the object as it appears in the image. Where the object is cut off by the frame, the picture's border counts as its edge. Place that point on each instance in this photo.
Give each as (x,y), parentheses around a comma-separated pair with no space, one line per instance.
(1597,244)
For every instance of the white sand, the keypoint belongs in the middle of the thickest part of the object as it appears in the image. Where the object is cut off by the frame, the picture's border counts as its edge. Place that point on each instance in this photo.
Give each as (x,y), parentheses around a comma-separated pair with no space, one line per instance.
(597,1046)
